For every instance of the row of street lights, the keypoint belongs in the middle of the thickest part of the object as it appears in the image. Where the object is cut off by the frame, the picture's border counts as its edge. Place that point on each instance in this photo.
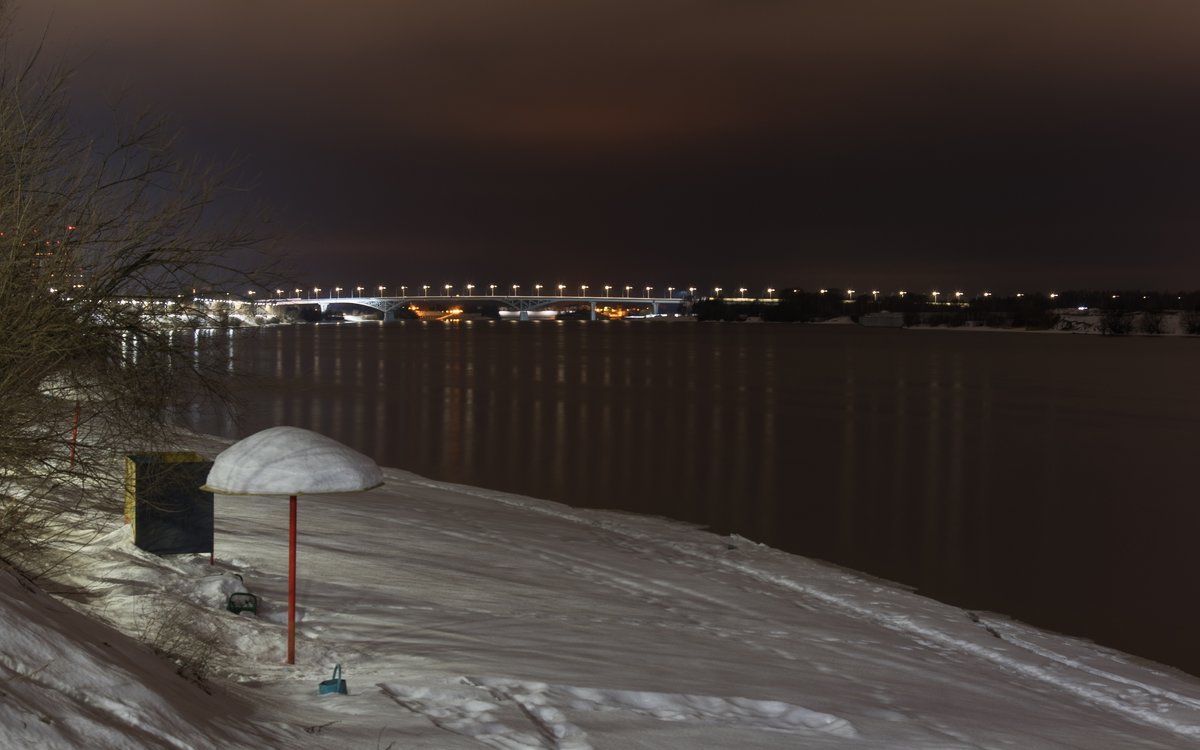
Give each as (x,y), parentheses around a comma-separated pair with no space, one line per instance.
(468,290)
(647,292)
(958,296)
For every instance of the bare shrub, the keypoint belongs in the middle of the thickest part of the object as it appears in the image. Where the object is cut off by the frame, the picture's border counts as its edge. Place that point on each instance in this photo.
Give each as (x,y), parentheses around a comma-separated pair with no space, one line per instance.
(1191,322)
(102,241)
(1116,323)
(1150,323)
(179,631)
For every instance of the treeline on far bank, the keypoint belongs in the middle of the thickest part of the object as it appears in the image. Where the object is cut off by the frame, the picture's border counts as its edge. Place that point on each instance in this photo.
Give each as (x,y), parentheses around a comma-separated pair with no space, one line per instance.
(1120,311)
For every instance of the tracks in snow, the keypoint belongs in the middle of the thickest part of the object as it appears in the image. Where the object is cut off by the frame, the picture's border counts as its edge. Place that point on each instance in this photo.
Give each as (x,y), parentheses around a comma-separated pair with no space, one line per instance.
(1105,687)
(520,715)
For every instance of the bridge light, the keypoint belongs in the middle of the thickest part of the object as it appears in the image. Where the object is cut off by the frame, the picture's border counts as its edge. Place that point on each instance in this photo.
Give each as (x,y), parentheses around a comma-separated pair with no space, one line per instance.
(492,290)
(561,287)
(515,288)
(278,292)
(469,288)
(670,291)
(741,291)
(338,289)
(850,294)
(935,296)
(958,295)
(875,295)
(448,290)
(425,290)
(607,287)
(717,291)
(358,290)
(628,287)
(382,287)
(902,292)
(537,289)
(403,289)
(583,290)
(316,290)
(824,291)
(770,292)
(648,291)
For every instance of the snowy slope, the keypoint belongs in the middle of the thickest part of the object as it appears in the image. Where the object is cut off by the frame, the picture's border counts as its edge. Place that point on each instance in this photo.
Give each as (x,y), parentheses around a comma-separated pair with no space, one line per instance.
(466,618)
(67,681)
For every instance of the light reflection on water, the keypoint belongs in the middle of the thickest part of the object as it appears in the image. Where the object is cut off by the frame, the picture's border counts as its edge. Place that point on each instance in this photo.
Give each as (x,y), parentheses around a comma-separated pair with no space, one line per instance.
(1049,477)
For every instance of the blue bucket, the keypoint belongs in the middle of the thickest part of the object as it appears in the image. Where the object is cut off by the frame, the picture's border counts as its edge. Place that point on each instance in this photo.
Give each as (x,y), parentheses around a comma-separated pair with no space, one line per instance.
(335,685)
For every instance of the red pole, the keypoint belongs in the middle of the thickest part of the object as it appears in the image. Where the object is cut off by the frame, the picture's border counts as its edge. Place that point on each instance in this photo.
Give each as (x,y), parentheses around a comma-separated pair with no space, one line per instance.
(291,648)
(75,433)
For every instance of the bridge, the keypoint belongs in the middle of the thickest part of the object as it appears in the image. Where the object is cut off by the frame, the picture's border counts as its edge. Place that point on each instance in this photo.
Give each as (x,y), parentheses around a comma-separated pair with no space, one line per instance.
(522,307)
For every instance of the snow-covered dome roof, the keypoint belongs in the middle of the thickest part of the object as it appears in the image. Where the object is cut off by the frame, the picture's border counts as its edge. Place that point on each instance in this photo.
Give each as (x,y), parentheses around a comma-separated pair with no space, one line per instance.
(291,461)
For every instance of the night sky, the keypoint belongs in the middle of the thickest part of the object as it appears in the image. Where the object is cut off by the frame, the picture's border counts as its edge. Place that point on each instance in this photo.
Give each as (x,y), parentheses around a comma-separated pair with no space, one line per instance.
(996,144)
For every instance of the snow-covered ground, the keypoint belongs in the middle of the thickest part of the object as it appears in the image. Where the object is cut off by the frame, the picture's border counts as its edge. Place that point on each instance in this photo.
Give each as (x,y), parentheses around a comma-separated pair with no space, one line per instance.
(467,618)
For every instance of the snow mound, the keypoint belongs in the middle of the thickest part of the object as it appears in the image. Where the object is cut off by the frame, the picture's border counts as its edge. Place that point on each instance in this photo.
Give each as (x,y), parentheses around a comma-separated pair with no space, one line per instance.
(291,461)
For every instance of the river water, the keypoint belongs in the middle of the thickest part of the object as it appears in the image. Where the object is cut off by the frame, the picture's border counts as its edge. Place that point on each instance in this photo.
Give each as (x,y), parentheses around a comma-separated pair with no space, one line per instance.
(1049,477)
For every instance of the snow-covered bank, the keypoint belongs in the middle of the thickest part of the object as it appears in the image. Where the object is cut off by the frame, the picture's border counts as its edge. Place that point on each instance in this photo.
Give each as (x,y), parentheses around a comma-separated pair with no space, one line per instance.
(465,618)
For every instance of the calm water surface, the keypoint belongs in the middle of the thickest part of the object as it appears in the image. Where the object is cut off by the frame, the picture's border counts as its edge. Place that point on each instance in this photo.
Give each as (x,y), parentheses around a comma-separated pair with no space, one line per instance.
(1049,477)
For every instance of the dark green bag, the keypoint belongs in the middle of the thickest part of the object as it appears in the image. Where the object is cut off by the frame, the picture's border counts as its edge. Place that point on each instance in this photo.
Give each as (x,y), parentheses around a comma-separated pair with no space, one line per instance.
(335,685)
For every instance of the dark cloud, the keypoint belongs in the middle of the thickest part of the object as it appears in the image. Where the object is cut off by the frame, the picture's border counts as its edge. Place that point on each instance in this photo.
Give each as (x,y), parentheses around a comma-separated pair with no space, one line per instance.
(875,142)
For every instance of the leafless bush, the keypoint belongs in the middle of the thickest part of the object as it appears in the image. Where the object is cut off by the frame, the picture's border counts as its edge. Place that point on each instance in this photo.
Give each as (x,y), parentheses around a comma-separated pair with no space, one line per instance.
(1116,323)
(178,631)
(1191,322)
(102,241)
(1150,323)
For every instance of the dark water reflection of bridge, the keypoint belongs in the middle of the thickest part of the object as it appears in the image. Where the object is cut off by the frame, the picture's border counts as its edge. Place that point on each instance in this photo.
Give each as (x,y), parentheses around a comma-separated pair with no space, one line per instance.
(1049,477)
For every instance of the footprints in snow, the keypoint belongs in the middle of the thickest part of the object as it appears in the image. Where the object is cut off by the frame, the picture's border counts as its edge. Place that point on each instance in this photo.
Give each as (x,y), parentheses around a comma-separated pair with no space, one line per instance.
(515,715)
(492,718)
